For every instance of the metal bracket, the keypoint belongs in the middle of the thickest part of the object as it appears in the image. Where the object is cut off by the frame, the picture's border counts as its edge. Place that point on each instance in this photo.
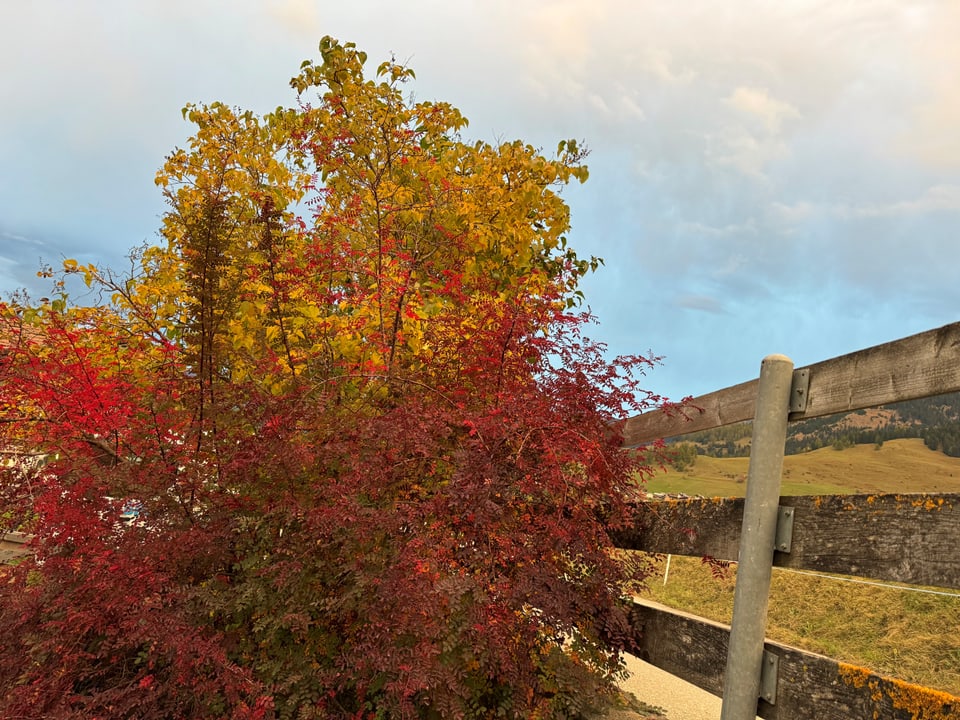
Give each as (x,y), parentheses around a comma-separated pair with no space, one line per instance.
(768,677)
(783,539)
(799,388)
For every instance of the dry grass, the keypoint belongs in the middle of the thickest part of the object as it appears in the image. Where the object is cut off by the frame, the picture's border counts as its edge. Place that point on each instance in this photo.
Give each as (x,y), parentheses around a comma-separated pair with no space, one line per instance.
(897,466)
(910,635)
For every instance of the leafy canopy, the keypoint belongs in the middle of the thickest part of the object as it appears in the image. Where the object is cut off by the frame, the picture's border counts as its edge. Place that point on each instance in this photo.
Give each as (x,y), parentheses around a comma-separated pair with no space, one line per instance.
(348,391)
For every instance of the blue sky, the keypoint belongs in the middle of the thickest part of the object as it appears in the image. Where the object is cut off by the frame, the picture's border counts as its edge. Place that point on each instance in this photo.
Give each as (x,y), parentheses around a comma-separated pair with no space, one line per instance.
(766,177)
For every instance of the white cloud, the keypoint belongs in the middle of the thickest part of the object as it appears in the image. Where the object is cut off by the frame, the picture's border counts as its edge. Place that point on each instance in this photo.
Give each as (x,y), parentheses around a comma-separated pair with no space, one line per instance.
(660,64)
(757,103)
(598,103)
(9,237)
(731,143)
(703,303)
(934,59)
(940,198)
(631,108)
(793,213)
(733,229)
(935,199)
(746,152)
(300,18)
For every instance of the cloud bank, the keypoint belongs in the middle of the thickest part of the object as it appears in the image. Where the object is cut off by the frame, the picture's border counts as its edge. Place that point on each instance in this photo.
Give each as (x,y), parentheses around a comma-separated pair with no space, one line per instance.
(765,177)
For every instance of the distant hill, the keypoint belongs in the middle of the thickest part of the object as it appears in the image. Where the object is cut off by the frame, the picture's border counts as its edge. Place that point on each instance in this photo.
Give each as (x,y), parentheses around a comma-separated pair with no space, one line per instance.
(896,466)
(934,420)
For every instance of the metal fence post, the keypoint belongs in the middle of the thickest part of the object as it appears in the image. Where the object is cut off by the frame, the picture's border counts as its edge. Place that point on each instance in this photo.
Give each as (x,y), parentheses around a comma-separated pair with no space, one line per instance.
(745,654)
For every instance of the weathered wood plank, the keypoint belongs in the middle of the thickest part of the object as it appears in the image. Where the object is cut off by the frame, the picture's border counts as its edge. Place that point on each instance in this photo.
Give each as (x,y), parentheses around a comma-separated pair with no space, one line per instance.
(723,407)
(14,546)
(808,685)
(690,647)
(909,538)
(914,367)
(8,556)
(17,538)
(693,526)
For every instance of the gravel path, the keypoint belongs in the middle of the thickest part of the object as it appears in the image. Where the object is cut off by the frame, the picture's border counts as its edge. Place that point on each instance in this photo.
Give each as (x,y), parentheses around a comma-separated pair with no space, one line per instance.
(680,699)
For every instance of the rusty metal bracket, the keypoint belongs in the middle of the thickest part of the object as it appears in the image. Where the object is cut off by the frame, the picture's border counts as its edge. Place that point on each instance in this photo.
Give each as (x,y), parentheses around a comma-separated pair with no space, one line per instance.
(799,389)
(768,677)
(783,539)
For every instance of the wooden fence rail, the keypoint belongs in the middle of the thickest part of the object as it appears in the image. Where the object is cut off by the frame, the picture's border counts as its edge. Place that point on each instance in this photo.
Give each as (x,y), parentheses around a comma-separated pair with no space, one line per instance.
(805,685)
(915,367)
(909,538)
(13,545)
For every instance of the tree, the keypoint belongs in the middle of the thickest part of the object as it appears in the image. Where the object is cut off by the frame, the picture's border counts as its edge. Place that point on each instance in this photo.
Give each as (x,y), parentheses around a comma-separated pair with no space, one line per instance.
(683,456)
(373,448)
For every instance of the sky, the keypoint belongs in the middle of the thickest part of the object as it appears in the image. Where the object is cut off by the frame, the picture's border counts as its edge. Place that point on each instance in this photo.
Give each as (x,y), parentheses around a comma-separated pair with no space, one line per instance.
(765,177)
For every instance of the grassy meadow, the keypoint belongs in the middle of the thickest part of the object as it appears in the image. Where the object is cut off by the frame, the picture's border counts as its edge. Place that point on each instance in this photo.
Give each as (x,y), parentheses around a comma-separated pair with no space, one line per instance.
(911,635)
(896,466)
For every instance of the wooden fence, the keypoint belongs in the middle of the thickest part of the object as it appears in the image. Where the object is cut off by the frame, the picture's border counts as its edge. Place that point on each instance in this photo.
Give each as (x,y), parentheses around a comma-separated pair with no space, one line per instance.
(911,538)
(13,545)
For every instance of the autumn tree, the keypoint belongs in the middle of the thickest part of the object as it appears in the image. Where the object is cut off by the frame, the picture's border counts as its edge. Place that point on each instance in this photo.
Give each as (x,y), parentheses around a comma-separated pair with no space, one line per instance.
(351,393)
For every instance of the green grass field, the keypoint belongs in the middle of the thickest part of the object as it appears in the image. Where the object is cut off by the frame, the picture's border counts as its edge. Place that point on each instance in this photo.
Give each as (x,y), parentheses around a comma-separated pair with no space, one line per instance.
(911,635)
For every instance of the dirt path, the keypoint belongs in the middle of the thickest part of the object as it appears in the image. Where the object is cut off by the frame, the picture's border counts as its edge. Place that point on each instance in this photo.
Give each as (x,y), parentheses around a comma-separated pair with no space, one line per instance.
(680,699)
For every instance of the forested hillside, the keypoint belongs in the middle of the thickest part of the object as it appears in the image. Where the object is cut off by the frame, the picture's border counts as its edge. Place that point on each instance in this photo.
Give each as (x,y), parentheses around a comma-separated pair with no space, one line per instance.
(936,420)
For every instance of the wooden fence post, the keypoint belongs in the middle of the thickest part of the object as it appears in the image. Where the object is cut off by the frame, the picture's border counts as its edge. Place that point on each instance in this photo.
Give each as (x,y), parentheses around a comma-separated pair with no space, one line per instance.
(745,653)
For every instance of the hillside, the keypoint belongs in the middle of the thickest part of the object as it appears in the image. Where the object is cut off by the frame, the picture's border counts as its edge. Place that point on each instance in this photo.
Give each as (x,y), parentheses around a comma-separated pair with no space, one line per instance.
(902,465)
(935,420)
